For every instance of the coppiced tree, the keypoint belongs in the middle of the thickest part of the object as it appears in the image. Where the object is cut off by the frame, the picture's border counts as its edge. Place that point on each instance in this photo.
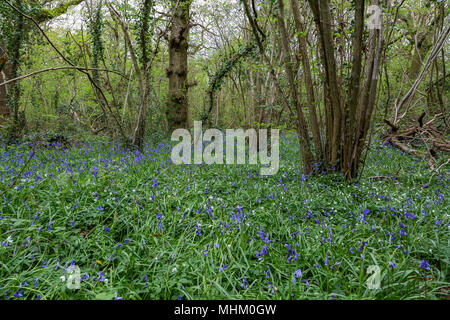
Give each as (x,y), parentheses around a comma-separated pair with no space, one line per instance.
(348,105)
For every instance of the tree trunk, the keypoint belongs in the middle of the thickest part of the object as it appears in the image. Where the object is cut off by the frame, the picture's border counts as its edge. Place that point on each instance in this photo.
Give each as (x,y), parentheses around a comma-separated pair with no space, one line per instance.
(4,110)
(354,90)
(144,48)
(177,103)
(312,104)
(302,127)
(12,69)
(3,58)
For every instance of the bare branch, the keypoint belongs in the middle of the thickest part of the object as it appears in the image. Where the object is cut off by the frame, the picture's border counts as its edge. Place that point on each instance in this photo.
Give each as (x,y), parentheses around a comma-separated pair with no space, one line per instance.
(60,68)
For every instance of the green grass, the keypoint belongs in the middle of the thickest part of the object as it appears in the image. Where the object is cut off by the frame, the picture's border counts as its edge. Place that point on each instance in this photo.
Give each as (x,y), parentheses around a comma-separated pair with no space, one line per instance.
(145,224)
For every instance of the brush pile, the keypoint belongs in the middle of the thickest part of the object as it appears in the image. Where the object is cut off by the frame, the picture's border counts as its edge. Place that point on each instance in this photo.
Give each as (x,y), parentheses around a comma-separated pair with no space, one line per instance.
(413,137)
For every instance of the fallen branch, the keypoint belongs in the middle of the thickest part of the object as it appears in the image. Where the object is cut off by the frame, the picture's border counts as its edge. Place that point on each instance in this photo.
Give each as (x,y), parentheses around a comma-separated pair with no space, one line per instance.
(438,169)
(422,133)
(394,128)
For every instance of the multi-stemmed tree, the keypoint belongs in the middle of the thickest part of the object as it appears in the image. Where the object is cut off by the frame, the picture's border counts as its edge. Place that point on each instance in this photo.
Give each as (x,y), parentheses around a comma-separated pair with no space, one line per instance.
(348,103)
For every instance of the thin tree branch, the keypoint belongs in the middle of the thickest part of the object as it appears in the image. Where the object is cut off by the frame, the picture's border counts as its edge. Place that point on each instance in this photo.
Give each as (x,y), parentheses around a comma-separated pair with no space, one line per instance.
(60,68)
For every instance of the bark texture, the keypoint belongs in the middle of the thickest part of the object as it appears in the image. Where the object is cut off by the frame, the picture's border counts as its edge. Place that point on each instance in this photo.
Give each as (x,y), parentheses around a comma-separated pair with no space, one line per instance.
(177,72)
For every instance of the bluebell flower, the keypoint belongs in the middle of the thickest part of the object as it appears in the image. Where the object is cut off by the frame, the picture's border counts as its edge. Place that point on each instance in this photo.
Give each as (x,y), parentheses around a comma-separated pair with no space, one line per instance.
(271,286)
(424,265)
(263,252)
(198,230)
(205,252)
(297,274)
(222,268)
(244,283)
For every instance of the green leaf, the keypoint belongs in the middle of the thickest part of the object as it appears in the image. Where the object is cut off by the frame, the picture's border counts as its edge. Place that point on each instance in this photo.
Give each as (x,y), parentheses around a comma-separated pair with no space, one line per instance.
(104,296)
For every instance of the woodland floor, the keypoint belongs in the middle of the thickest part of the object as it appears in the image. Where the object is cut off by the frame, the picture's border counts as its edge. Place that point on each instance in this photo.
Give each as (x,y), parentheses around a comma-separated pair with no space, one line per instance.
(139,227)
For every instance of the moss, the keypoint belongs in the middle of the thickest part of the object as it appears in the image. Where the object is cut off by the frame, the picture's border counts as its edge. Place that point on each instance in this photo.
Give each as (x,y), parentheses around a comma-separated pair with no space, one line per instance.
(48,14)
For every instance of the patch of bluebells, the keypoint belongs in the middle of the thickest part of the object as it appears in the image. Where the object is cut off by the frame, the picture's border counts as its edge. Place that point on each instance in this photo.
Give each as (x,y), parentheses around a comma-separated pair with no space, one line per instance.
(312,223)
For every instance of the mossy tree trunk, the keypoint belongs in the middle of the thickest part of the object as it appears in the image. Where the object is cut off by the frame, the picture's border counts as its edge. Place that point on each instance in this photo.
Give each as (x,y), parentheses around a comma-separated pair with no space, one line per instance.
(177,101)
(4,110)
(12,69)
